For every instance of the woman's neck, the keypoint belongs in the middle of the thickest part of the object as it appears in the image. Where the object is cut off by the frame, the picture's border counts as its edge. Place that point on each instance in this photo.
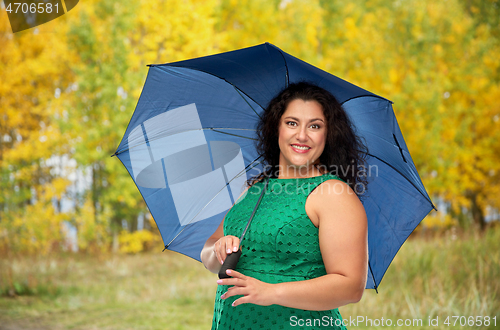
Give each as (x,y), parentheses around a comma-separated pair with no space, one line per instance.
(293,172)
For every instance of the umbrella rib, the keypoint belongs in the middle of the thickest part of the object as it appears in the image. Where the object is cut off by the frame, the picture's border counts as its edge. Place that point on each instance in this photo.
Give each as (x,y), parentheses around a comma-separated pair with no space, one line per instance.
(395,169)
(371,94)
(247,102)
(215,129)
(241,136)
(373,277)
(246,169)
(286,68)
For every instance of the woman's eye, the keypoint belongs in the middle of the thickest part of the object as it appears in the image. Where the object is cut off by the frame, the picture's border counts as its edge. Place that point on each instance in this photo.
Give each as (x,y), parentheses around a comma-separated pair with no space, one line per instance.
(291,123)
(315,126)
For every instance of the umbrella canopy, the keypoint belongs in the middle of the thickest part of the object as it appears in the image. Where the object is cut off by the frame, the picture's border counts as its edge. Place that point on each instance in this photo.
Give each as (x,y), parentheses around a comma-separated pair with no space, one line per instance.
(190,147)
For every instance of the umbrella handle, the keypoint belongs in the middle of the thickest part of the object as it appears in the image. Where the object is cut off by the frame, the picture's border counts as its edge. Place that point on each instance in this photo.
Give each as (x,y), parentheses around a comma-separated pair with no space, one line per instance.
(230,263)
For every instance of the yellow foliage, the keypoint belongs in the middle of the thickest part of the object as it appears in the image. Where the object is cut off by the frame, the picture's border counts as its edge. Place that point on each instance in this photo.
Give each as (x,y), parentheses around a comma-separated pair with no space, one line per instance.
(350,27)
(439,220)
(93,235)
(58,187)
(137,241)
(393,76)
(35,229)
(172,31)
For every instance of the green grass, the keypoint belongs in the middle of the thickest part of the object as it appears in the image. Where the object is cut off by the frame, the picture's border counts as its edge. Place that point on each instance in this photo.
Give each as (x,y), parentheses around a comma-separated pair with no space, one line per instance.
(439,277)
(430,277)
(147,291)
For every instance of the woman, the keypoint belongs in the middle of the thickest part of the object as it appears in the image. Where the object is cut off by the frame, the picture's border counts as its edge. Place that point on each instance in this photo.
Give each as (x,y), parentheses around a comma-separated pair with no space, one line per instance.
(305,252)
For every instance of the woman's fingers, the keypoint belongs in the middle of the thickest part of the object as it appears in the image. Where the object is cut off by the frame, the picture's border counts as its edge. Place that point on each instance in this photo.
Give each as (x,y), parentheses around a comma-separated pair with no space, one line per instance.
(226,245)
(236,277)
(252,290)
(232,244)
(242,300)
(232,281)
(235,291)
(235,274)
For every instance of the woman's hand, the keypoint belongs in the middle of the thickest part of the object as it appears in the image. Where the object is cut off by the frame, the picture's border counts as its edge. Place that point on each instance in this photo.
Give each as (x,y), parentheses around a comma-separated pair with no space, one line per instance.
(252,290)
(216,249)
(224,246)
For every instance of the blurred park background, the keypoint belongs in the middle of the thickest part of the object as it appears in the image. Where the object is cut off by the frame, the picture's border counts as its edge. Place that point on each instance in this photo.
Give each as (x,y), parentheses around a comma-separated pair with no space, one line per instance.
(78,247)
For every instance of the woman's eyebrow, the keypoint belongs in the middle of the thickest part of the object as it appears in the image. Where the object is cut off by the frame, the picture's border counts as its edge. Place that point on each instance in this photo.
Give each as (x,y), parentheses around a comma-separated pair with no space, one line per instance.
(314,119)
(296,119)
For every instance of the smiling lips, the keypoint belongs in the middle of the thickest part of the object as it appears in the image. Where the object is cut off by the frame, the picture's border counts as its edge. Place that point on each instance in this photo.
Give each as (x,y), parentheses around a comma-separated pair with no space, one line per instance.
(300,148)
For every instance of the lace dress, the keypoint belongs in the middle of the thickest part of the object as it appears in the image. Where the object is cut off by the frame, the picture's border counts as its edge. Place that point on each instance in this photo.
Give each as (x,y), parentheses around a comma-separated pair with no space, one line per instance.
(281,245)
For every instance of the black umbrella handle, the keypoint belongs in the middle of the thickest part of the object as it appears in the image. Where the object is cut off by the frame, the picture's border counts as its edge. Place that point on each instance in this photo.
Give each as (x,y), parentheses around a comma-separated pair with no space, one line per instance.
(230,263)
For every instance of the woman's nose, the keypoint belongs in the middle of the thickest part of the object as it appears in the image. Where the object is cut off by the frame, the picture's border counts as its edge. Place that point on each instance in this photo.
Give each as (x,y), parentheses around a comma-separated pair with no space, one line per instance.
(302,134)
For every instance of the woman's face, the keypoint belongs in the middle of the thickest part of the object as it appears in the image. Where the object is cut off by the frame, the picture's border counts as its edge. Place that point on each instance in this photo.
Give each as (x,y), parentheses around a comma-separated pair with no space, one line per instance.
(302,134)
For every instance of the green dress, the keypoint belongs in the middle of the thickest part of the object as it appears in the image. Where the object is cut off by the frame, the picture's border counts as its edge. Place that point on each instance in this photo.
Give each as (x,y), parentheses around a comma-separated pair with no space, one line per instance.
(281,245)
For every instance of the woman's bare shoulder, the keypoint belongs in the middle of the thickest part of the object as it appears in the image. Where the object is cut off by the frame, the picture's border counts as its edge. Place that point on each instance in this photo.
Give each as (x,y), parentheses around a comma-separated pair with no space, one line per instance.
(331,195)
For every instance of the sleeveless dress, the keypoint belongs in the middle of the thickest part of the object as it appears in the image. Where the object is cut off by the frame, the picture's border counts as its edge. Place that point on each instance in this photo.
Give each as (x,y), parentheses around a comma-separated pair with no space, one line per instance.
(281,245)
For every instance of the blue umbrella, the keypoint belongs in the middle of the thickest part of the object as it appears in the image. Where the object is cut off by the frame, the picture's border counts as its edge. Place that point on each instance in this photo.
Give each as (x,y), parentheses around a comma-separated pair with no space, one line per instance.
(190,147)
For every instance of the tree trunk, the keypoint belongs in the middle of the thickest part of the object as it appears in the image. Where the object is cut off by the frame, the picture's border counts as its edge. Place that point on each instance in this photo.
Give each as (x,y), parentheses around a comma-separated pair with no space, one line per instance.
(477,212)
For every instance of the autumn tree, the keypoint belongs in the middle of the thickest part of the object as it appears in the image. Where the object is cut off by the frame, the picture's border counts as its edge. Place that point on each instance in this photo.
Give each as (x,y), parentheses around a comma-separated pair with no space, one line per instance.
(32,68)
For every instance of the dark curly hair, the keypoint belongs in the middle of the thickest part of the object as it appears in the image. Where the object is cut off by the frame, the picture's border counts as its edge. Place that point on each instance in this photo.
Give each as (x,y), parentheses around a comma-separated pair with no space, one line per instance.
(344,153)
